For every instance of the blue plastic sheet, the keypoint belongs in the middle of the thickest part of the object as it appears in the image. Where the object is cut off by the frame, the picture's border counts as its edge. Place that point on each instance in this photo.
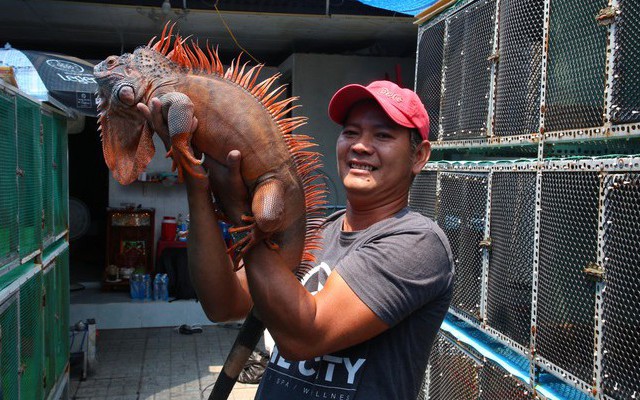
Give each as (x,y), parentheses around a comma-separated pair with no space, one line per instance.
(411,7)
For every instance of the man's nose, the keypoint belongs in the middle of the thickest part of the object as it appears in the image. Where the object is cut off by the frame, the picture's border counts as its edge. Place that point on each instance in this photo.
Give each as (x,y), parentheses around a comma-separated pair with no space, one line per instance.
(362,145)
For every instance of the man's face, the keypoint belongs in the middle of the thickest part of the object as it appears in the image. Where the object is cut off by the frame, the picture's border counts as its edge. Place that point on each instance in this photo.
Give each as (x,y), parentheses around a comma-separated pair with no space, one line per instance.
(375,160)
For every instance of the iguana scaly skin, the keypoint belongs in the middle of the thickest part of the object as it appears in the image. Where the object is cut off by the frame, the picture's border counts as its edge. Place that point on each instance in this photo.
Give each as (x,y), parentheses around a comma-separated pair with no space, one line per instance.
(233,112)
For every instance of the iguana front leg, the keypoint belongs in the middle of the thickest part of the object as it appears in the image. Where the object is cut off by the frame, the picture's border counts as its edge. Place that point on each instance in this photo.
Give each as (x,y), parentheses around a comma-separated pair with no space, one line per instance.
(177,108)
(267,206)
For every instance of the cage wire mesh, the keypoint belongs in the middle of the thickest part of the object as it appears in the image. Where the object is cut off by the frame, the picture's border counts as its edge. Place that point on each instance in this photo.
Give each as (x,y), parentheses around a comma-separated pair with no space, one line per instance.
(62,310)
(453,375)
(422,196)
(50,325)
(626,82)
(465,97)
(61,175)
(9,356)
(621,310)
(461,215)
(561,390)
(429,73)
(517,109)
(576,67)
(566,296)
(31,340)
(496,384)
(512,222)
(29,183)
(47,175)
(8,180)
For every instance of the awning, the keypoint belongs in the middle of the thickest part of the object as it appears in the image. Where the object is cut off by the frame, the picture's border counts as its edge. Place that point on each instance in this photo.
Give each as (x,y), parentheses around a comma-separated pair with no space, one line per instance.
(54,78)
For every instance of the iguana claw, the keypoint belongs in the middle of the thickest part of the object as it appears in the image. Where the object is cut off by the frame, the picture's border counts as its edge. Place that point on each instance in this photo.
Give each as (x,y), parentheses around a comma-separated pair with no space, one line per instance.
(182,156)
(239,248)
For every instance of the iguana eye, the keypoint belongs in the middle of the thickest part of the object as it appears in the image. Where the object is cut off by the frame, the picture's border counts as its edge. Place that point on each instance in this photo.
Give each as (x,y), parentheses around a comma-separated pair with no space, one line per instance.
(111,61)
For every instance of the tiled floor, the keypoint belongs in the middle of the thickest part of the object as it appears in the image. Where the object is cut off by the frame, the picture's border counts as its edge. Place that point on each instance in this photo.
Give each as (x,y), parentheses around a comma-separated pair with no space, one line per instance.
(158,363)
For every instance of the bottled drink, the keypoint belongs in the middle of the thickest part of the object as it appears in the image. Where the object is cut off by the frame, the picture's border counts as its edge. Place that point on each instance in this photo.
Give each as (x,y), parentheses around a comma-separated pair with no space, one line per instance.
(157,287)
(181,230)
(146,287)
(135,287)
(165,287)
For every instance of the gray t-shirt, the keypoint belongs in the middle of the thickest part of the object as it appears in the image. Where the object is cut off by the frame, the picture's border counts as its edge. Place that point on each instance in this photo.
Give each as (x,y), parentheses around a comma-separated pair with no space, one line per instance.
(402,269)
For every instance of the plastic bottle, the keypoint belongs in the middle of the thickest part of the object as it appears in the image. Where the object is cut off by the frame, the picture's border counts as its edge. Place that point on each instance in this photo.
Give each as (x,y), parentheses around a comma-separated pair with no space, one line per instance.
(181,229)
(146,287)
(135,287)
(132,286)
(165,287)
(157,287)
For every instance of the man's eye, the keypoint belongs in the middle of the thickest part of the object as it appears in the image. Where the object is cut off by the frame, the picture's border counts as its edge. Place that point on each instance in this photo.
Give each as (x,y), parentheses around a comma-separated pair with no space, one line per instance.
(348,133)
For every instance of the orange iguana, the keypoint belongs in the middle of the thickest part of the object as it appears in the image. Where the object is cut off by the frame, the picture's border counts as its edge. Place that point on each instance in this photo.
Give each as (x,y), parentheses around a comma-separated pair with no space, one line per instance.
(233,112)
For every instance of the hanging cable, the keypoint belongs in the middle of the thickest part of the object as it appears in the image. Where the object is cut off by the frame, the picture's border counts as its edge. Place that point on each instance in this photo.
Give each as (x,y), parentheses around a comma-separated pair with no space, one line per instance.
(232,35)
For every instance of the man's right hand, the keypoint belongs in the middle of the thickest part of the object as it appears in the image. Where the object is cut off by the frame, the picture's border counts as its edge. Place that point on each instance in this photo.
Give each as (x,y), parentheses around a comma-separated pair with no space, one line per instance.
(156,120)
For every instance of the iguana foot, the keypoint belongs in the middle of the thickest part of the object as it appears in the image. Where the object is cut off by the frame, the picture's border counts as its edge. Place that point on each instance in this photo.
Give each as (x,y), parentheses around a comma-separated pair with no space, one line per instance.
(240,248)
(183,159)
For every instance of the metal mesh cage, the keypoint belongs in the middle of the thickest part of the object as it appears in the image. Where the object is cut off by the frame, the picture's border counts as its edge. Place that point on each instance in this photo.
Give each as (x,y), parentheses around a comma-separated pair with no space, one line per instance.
(566,296)
(62,310)
(576,67)
(626,83)
(517,110)
(461,215)
(496,384)
(512,222)
(429,73)
(8,180)
(31,340)
(49,328)
(47,175)
(61,176)
(422,197)
(467,72)
(621,311)
(452,374)
(9,362)
(29,185)
(561,390)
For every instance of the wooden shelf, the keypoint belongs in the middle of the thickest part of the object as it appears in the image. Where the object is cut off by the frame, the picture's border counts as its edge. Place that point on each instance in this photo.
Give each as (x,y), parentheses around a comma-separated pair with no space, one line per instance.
(130,241)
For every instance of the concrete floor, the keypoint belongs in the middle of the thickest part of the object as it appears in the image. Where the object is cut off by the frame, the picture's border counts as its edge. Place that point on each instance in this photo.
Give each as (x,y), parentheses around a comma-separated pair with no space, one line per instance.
(157,363)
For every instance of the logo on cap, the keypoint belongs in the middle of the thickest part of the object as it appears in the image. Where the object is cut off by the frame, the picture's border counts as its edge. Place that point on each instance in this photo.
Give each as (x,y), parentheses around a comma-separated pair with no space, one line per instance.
(393,96)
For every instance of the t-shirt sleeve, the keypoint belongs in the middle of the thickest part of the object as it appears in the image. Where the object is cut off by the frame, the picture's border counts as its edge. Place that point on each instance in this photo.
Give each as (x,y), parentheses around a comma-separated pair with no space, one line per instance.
(398,273)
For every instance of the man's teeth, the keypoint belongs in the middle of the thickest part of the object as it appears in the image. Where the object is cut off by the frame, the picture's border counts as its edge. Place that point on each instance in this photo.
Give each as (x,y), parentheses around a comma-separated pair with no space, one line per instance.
(361,166)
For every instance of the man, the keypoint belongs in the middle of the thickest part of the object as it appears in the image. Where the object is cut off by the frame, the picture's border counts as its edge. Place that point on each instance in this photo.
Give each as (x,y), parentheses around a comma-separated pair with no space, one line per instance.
(361,324)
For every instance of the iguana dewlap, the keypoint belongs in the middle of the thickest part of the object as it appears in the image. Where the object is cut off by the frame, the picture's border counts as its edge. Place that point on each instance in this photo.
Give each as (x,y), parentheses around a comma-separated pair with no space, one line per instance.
(234,113)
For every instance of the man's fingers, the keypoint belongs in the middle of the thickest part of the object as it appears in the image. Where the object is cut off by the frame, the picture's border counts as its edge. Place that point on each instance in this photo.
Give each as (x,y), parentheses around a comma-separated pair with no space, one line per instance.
(233,161)
(155,109)
(194,124)
(144,110)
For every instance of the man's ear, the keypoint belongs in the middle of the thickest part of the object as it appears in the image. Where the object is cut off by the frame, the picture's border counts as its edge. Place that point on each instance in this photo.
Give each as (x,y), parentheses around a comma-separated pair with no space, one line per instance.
(422,154)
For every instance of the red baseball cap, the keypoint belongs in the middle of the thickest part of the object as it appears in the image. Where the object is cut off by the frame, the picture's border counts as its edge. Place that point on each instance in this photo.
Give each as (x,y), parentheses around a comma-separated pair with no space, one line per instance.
(401,105)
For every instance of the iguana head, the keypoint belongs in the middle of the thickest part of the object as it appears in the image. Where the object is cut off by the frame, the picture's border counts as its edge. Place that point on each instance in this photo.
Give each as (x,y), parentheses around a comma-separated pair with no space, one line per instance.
(123,82)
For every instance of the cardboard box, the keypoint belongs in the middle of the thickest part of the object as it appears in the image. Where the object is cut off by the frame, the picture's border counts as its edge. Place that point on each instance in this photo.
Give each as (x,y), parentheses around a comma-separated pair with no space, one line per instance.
(7,75)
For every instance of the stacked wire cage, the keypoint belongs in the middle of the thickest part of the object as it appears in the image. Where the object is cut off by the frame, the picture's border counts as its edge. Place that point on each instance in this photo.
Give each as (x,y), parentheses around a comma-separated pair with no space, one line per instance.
(535,179)
(34,257)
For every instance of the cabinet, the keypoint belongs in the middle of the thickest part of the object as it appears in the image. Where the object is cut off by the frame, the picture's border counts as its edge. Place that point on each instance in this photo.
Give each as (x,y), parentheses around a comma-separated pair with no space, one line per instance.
(130,240)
